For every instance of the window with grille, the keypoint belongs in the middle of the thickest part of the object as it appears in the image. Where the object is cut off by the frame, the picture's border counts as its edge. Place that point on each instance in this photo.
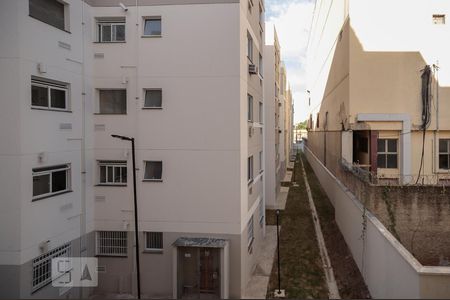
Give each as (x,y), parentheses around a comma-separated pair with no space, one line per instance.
(49,181)
(387,154)
(113,172)
(250,233)
(154,241)
(110,31)
(111,243)
(444,154)
(52,12)
(48,94)
(153,171)
(153,98)
(113,102)
(42,266)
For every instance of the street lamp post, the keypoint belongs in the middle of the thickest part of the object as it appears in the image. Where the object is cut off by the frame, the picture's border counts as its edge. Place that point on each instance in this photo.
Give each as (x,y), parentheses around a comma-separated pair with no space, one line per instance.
(136,227)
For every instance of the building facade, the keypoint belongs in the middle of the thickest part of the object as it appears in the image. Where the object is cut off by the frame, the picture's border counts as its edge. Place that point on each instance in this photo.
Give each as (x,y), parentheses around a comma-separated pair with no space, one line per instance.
(278,115)
(378,101)
(156,73)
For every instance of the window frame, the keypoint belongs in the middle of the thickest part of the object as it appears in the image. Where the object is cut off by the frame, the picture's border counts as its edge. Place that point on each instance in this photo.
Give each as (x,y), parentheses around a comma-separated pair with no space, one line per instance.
(151,18)
(153,179)
(250,47)
(102,23)
(261,162)
(250,173)
(50,85)
(261,112)
(49,171)
(99,90)
(386,152)
(121,235)
(145,95)
(66,16)
(446,140)
(262,213)
(439,19)
(114,164)
(250,108)
(154,250)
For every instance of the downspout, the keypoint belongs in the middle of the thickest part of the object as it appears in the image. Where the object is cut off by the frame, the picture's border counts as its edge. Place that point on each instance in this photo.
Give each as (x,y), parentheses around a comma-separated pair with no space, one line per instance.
(83,229)
(436,132)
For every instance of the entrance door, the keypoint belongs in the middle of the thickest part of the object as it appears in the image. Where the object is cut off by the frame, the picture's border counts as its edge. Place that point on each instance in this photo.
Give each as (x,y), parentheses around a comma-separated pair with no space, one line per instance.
(199,272)
(209,271)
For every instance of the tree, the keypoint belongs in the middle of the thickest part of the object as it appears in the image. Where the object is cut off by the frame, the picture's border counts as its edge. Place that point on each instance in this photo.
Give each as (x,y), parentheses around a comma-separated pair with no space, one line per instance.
(301,125)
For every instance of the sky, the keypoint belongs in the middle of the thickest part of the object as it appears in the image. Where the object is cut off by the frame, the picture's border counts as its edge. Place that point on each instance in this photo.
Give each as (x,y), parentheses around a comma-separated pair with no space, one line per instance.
(292,19)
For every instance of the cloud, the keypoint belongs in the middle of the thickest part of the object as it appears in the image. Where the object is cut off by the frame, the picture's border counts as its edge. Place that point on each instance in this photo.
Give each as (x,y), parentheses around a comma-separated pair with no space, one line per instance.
(292,19)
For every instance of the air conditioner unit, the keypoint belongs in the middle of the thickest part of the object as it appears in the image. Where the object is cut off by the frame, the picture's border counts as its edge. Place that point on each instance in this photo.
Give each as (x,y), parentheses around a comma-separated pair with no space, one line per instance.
(252,69)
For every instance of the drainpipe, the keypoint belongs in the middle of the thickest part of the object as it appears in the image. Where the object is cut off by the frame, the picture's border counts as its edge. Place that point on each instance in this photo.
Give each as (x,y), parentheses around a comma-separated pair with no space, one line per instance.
(436,132)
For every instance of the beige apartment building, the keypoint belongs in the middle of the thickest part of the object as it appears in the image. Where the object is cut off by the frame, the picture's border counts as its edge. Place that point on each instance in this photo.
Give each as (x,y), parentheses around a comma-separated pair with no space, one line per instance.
(382,96)
(379,137)
(182,77)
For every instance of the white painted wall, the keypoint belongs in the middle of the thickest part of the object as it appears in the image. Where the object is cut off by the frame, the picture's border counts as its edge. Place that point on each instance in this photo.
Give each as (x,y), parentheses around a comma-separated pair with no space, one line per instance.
(389,270)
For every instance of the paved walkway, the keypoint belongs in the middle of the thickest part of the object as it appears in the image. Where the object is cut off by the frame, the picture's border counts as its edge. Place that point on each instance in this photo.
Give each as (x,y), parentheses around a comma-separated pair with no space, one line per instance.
(257,286)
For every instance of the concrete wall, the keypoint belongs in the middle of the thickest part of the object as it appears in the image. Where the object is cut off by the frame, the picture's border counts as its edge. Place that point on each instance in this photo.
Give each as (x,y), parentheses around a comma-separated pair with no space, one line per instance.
(389,270)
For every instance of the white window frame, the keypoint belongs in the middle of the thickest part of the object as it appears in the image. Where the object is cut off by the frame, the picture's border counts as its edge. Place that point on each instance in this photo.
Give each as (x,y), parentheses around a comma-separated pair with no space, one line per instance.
(154,179)
(249,46)
(250,233)
(120,251)
(151,18)
(50,172)
(49,85)
(386,152)
(250,169)
(114,165)
(42,266)
(156,250)
(249,108)
(145,94)
(66,17)
(439,19)
(98,110)
(447,140)
(103,23)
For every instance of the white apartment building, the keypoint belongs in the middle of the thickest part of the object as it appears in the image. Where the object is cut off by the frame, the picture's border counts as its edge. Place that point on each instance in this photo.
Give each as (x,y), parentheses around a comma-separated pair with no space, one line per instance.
(278,109)
(185,80)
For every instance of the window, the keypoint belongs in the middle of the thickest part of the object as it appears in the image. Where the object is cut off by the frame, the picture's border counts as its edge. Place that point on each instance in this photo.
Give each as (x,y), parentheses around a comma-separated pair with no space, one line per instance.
(153,98)
(52,12)
(261,162)
(113,102)
(152,26)
(262,213)
(250,108)
(387,153)
(439,19)
(250,169)
(42,265)
(153,170)
(261,66)
(49,94)
(50,181)
(249,46)
(444,154)
(154,241)
(111,243)
(250,234)
(260,112)
(113,172)
(109,31)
